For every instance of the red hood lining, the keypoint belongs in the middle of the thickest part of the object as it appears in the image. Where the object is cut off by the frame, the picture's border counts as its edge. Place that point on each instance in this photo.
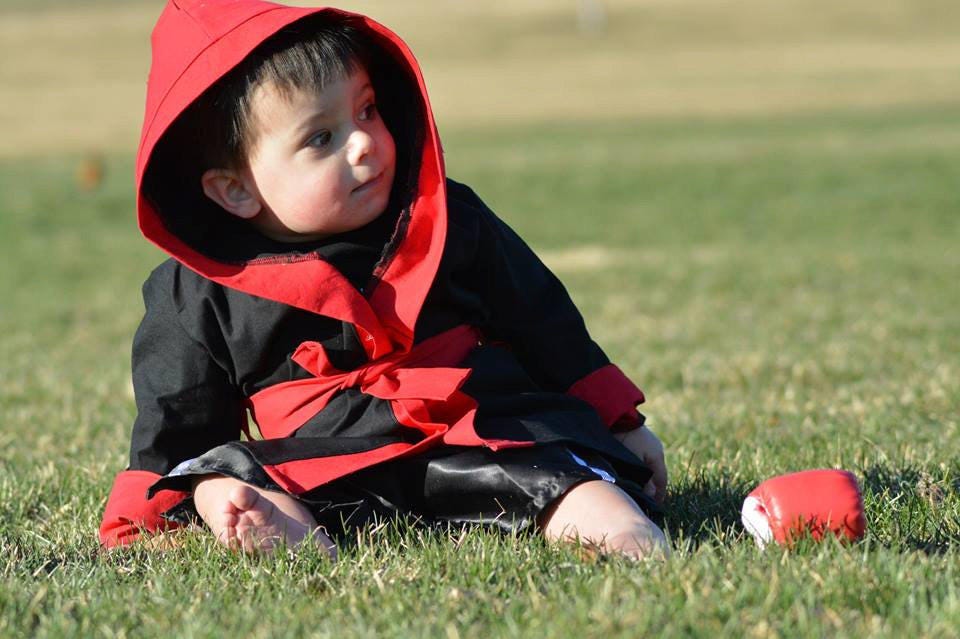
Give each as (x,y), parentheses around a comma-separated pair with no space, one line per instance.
(386,320)
(171,180)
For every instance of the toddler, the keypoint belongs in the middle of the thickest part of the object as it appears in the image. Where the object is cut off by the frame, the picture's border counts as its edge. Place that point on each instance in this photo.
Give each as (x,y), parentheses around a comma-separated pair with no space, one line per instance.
(401,351)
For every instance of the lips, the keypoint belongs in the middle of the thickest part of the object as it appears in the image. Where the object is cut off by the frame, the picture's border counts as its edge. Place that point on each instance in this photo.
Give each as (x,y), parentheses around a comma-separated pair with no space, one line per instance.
(369,184)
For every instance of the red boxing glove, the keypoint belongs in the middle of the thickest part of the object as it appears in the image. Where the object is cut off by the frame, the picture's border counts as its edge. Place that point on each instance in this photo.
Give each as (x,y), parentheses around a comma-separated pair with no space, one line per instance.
(813,501)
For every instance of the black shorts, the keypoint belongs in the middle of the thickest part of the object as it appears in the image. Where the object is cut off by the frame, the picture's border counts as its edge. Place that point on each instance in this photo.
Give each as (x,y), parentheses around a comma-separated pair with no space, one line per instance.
(505,490)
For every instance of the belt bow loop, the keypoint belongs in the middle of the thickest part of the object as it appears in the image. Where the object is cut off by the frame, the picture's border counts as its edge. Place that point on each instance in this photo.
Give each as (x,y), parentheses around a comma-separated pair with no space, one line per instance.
(422,385)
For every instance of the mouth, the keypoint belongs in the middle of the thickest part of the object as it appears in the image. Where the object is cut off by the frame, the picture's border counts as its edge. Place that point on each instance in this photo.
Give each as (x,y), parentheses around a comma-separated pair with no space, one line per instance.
(369,184)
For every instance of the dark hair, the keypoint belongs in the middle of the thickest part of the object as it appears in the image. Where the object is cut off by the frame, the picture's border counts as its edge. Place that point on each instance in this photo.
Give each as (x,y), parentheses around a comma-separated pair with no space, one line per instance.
(309,55)
(217,129)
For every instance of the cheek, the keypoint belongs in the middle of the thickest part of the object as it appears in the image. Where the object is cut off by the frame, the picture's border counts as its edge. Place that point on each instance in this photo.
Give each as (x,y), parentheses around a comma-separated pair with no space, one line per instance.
(387,145)
(323,183)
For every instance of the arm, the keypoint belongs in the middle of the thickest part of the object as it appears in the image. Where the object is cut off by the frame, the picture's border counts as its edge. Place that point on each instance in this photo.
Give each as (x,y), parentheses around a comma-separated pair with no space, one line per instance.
(531,311)
(186,405)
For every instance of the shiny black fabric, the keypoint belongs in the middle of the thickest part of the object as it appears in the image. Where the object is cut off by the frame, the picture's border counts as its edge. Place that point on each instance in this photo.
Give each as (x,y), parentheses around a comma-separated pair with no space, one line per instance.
(203,349)
(505,490)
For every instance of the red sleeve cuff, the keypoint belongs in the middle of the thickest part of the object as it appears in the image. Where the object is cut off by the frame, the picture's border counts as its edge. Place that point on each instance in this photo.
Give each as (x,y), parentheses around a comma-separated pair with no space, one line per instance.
(129,512)
(612,395)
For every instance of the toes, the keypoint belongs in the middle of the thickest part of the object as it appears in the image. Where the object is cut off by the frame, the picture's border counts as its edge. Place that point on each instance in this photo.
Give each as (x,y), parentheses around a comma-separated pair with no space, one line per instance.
(228,534)
(255,532)
(229,510)
(258,524)
(321,539)
(230,519)
(243,497)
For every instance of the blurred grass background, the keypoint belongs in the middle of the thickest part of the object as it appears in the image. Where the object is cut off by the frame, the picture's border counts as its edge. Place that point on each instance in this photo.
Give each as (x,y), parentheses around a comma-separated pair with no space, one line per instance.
(756,206)
(73,73)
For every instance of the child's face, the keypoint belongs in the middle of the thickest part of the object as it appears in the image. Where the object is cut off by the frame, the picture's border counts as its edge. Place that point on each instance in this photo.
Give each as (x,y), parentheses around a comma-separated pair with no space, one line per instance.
(321,164)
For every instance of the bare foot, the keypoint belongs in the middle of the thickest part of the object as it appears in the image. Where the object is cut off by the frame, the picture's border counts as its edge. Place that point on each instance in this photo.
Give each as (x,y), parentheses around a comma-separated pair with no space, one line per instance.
(254,519)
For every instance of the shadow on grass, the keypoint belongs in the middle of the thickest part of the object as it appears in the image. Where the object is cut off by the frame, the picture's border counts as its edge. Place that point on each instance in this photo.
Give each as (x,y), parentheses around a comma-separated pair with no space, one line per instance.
(706,508)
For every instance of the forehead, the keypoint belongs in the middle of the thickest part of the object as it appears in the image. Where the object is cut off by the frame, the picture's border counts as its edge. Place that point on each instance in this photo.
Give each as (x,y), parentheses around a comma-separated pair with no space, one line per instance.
(274,107)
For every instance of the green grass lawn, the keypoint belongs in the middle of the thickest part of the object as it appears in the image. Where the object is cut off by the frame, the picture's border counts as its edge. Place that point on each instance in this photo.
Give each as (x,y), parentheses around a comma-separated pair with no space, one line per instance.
(784,289)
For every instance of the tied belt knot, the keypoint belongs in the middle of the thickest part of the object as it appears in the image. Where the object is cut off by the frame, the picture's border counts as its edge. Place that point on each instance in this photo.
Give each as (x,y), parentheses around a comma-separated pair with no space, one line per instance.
(422,385)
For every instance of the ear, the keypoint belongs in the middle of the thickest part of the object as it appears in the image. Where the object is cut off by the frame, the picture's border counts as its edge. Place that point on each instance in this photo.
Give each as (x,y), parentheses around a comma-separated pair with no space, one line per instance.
(232,191)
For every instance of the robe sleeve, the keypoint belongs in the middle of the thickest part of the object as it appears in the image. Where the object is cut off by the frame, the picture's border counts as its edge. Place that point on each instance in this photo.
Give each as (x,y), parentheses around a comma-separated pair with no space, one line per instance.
(532,312)
(186,405)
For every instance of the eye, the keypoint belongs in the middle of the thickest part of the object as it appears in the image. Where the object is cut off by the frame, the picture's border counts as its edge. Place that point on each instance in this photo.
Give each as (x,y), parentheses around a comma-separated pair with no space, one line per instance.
(368,112)
(320,139)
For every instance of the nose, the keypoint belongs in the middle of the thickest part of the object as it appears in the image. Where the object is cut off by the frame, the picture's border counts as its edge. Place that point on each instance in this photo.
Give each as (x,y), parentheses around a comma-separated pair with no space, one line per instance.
(360,144)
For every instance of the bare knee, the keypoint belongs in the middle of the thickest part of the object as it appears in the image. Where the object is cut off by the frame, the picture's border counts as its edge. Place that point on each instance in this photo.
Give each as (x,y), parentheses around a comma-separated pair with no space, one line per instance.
(600,513)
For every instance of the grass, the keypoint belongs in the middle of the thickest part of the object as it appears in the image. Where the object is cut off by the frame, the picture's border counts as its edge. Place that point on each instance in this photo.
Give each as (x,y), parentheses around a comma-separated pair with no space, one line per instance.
(780,275)
(495,64)
(786,304)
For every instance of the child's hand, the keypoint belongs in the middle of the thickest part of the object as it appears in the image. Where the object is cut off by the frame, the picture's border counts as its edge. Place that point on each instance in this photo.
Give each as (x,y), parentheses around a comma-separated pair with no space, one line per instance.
(643,443)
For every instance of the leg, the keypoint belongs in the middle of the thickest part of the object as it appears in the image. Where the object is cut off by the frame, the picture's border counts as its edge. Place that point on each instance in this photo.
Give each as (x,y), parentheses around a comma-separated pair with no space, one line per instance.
(254,519)
(599,512)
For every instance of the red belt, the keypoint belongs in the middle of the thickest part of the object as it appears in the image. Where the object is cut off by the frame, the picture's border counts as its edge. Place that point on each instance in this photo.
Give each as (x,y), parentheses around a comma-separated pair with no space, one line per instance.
(421,384)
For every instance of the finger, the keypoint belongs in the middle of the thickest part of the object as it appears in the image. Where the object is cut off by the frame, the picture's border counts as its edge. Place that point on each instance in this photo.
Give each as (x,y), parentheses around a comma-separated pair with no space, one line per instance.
(659,479)
(650,489)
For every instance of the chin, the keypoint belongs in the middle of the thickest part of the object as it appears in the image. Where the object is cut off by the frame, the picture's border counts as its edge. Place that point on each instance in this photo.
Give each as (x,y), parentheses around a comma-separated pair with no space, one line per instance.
(376,210)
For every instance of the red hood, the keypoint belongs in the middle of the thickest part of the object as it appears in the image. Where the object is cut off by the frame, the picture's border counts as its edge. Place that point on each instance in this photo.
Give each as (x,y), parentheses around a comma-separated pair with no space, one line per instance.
(195,42)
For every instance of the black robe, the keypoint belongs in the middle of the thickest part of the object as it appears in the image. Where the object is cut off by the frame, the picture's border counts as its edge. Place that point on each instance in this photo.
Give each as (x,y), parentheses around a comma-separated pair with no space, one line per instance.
(202,350)
(433,330)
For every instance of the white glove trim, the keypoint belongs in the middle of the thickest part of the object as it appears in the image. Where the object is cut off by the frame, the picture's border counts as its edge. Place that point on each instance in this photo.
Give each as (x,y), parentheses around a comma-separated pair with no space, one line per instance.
(754,518)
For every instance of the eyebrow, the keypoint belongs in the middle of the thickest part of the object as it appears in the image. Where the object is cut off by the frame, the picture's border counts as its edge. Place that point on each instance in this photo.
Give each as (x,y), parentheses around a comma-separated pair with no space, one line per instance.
(308,123)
